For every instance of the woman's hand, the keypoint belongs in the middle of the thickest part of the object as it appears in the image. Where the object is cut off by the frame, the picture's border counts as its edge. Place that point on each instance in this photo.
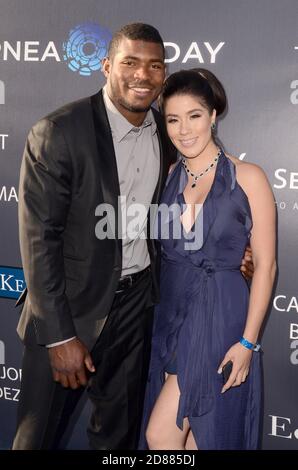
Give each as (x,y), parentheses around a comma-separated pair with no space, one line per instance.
(241,357)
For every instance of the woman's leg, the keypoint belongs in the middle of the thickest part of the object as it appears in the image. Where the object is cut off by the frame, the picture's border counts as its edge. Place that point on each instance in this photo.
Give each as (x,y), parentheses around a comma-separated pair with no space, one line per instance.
(190,442)
(162,431)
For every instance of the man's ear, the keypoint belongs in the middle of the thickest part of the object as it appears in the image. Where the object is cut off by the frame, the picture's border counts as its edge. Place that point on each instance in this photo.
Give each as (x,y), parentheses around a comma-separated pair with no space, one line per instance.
(105,66)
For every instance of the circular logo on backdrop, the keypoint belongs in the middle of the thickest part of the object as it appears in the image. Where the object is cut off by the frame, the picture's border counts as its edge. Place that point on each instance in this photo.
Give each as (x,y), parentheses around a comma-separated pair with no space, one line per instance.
(86,47)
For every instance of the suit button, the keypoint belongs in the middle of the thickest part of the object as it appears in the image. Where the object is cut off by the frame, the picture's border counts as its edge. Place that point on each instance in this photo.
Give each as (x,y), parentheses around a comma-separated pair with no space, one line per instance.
(117,268)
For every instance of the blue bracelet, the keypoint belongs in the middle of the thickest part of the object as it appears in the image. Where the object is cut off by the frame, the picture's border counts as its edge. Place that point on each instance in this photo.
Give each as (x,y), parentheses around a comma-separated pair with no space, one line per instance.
(253,347)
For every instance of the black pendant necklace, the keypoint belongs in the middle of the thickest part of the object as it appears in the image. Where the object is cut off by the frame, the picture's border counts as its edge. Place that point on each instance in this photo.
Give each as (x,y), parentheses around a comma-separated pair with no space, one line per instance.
(198,176)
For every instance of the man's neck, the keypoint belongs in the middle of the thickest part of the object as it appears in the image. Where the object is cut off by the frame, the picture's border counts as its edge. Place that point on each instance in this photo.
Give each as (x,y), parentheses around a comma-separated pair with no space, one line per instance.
(133,117)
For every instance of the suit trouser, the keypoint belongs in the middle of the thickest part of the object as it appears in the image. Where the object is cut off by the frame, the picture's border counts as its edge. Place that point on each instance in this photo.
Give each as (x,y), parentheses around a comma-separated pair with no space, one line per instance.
(116,390)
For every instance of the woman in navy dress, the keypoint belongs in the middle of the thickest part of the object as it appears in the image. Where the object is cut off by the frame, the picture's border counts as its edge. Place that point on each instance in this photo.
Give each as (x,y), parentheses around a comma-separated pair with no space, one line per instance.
(207,317)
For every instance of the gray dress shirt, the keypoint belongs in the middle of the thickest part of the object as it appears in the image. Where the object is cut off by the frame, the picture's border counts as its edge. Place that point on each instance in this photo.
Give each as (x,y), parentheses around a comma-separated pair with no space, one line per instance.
(138,163)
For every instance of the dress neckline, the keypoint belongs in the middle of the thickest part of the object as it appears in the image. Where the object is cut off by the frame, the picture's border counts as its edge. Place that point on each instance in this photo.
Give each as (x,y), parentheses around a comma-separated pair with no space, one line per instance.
(219,163)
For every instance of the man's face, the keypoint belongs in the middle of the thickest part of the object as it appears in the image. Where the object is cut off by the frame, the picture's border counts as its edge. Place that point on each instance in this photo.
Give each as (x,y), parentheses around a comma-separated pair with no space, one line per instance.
(135,75)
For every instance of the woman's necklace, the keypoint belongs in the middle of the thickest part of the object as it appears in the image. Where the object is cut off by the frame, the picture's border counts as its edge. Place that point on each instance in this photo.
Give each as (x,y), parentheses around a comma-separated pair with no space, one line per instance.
(195,176)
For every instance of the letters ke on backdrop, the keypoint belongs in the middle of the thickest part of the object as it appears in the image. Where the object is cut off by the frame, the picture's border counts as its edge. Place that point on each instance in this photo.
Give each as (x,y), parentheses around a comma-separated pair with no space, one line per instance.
(253,48)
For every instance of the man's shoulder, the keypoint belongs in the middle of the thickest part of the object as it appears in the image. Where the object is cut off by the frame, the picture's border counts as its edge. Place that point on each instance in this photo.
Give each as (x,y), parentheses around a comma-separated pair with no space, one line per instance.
(70,112)
(79,111)
(73,118)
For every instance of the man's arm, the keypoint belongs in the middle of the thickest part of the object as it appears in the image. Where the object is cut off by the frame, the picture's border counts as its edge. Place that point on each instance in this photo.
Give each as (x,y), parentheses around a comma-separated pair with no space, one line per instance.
(44,200)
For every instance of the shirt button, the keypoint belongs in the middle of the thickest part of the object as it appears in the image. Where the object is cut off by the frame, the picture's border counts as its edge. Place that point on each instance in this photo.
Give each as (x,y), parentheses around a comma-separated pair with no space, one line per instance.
(138,170)
(133,199)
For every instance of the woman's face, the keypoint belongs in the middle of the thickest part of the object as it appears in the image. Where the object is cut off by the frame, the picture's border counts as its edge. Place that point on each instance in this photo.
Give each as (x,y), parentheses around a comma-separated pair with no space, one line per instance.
(188,124)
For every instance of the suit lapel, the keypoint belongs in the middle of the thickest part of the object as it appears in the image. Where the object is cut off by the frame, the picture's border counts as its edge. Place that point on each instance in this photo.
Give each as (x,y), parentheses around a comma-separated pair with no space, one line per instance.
(158,187)
(108,173)
(165,156)
(107,159)
(164,165)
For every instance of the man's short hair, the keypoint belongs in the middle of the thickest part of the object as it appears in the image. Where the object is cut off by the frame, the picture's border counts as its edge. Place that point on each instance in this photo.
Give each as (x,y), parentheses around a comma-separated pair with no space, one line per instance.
(135,31)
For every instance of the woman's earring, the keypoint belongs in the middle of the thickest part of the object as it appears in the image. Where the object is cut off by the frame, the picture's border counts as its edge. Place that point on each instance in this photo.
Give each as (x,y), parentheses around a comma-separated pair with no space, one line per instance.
(213,126)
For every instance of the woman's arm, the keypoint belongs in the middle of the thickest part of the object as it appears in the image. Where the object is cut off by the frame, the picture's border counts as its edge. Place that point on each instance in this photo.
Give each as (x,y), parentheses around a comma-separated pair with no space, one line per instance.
(254,182)
(263,241)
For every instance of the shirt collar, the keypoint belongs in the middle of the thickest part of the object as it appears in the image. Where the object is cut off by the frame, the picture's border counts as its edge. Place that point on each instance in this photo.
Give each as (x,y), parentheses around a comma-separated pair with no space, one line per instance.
(119,125)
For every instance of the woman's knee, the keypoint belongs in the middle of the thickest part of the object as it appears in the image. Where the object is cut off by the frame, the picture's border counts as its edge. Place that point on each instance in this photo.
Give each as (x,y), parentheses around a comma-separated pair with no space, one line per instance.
(154,435)
(162,438)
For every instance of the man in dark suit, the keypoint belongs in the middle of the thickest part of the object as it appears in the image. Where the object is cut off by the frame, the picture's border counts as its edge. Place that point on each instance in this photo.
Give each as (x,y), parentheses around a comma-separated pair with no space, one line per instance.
(88,311)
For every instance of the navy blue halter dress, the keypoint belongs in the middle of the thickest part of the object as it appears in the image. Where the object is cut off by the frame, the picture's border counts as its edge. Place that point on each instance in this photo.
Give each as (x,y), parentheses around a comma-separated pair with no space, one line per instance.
(202,313)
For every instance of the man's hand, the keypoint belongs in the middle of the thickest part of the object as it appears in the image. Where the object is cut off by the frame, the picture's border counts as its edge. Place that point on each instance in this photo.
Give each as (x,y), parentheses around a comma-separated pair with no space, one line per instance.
(247,266)
(69,362)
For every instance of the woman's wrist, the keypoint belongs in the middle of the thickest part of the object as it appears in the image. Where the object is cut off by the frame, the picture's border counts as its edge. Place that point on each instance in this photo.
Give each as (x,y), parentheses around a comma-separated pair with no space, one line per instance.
(250,345)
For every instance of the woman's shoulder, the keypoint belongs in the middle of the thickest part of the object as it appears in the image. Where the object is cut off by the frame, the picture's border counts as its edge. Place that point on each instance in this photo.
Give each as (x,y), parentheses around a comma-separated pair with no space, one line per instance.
(247,169)
(249,175)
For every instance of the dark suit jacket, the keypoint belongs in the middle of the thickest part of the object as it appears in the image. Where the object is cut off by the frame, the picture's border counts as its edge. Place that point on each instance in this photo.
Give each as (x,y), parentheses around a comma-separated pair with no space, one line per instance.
(68,169)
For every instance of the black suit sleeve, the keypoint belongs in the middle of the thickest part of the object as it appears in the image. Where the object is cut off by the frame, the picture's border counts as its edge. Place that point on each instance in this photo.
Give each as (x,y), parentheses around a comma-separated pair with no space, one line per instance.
(44,201)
